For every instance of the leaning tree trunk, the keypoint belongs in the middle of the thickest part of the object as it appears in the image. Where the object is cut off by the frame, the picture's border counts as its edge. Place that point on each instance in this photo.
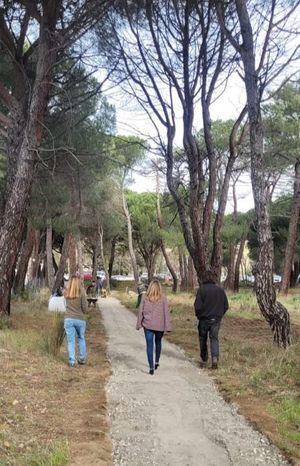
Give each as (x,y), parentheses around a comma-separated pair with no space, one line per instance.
(130,241)
(292,235)
(19,283)
(170,268)
(50,269)
(59,278)
(17,199)
(272,310)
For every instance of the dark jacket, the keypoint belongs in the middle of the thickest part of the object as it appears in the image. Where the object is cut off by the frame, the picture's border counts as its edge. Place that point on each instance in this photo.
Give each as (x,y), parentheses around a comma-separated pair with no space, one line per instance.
(211,302)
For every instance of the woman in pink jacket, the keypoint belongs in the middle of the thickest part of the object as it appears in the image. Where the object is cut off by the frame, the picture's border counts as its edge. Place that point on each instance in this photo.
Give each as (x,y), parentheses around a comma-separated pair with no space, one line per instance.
(154,317)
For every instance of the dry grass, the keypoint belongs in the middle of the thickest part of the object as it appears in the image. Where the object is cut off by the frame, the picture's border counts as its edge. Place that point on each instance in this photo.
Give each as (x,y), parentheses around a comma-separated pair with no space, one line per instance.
(262,379)
(48,411)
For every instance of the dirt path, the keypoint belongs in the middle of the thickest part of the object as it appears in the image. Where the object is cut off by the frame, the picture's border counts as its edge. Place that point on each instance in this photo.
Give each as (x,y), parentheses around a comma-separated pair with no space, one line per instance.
(175,417)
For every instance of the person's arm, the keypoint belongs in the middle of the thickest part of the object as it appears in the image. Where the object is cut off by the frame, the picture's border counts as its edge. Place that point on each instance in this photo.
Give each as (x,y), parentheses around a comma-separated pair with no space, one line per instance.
(198,303)
(140,314)
(84,303)
(168,326)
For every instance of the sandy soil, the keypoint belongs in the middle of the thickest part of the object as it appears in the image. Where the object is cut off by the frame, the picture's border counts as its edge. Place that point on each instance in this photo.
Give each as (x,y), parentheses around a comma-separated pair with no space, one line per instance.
(175,417)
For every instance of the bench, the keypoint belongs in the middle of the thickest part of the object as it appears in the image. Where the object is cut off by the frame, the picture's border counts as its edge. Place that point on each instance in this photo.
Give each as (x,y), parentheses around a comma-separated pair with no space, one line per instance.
(92,301)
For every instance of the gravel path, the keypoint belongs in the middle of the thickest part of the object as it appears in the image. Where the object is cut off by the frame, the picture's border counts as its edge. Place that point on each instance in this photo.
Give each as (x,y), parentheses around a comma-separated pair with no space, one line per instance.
(175,417)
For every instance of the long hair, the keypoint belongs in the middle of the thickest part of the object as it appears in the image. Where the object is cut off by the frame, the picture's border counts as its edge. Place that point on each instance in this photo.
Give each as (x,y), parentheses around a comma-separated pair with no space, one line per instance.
(154,292)
(74,288)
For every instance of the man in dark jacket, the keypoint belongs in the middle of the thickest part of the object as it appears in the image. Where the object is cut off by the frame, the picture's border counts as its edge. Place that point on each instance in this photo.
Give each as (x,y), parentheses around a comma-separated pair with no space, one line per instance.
(210,305)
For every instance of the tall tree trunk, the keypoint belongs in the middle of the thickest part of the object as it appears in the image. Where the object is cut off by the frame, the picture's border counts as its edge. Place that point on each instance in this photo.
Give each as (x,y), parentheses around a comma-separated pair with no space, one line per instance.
(72,256)
(112,256)
(181,271)
(102,256)
(272,310)
(95,259)
(190,274)
(185,272)
(229,282)
(17,200)
(35,259)
(163,249)
(216,256)
(130,241)
(79,256)
(238,263)
(292,235)
(62,263)
(50,270)
(19,283)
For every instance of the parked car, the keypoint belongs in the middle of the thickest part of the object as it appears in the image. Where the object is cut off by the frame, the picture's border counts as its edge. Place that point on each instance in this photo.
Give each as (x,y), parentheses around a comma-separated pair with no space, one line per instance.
(122,278)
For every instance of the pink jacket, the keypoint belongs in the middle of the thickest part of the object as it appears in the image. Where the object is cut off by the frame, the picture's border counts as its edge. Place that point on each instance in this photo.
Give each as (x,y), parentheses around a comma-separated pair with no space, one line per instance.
(154,316)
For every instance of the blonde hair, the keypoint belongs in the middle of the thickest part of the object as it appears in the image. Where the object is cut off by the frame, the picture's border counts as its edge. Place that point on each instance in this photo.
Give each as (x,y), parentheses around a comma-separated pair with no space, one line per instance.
(154,292)
(74,288)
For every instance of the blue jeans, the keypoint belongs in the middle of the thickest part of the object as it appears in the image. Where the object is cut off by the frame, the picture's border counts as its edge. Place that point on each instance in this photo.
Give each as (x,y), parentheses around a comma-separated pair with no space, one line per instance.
(150,335)
(209,327)
(73,327)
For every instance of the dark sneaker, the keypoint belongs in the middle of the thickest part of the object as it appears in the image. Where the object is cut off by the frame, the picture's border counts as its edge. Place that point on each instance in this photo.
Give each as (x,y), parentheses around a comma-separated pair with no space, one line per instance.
(81,361)
(156,365)
(151,372)
(203,364)
(214,364)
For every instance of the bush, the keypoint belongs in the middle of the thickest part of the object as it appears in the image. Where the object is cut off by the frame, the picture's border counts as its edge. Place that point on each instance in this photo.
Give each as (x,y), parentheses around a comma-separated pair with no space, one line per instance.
(54,334)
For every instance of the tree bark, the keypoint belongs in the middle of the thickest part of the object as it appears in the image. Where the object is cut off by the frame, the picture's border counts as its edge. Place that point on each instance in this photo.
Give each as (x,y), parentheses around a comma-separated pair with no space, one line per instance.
(238,261)
(17,201)
(130,241)
(50,270)
(101,249)
(216,256)
(190,274)
(62,263)
(292,234)
(163,249)
(19,282)
(35,259)
(229,282)
(112,256)
(72,256)
(183,285)
(272,310)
